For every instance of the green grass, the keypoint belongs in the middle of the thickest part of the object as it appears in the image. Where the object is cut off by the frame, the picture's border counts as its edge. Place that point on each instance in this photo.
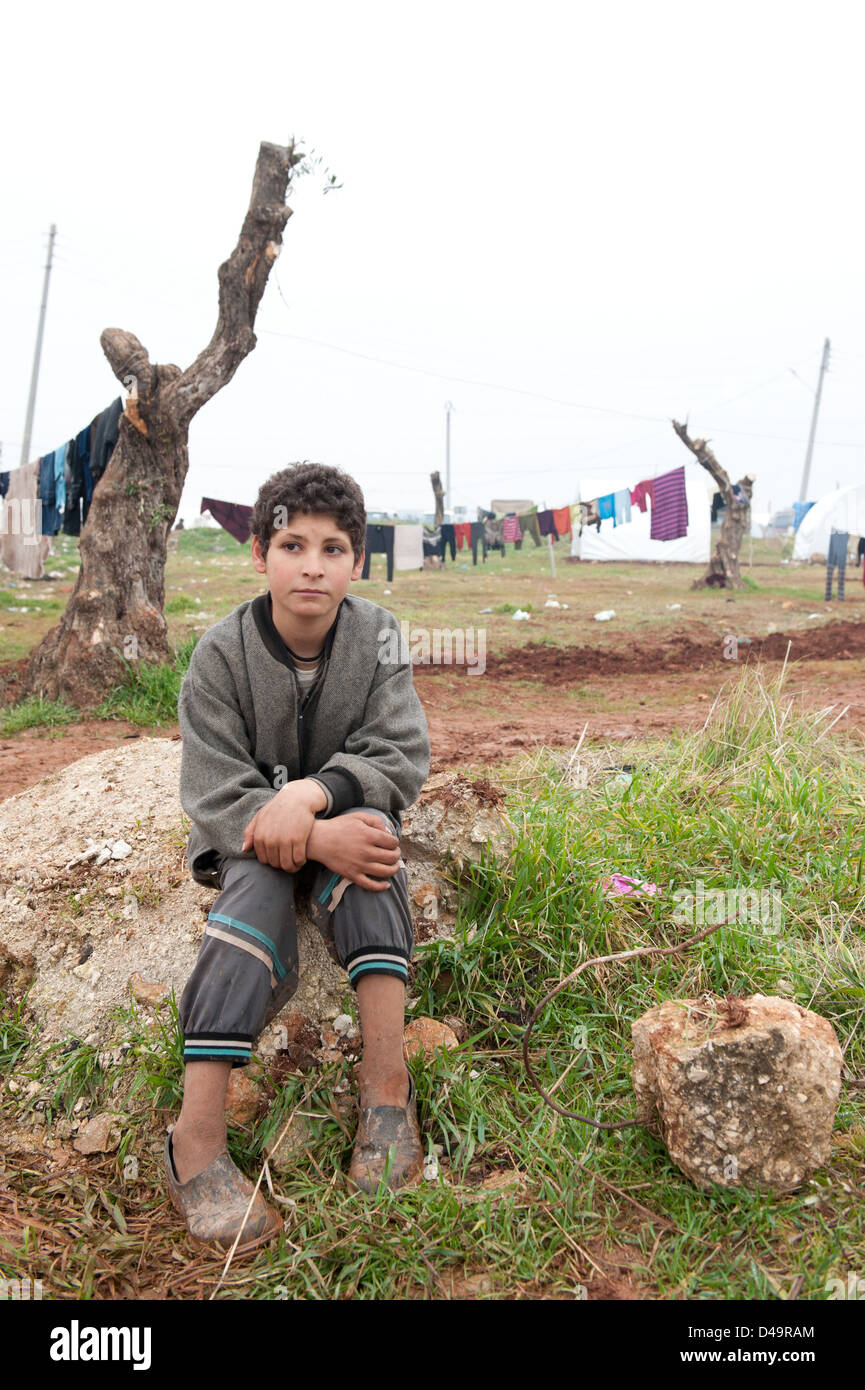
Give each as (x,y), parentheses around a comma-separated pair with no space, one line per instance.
(149,694)
(763,798)
(36,712)
(181,603)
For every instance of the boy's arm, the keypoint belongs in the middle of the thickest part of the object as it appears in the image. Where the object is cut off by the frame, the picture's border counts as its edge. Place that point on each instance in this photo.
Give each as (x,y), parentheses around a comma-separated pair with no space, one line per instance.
(221,789)
(388,755)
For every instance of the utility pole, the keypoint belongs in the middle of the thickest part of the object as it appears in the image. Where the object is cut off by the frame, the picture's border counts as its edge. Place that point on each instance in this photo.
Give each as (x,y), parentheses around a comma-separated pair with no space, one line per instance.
(448,409)
(34,377)
(803,494)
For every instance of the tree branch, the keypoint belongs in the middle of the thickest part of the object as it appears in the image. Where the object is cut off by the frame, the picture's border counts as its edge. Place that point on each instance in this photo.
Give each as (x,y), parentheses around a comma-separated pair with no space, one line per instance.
(701,451)
(242,280)
(129,361)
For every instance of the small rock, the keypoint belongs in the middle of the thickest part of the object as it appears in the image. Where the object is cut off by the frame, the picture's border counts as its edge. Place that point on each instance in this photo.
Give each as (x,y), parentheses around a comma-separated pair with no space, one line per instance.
(425,1035)
(788,603)
(743,1091)
(99,1135)
(457,1027)
(145,993)
(431,1169)
(283,1155)
(329,1037)
(242,1099)
(343,1025)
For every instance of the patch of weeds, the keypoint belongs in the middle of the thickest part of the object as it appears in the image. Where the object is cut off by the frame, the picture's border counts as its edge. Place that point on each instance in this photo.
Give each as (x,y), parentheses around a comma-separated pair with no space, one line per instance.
(182,603)
(79,1075)
(147,893)
(148,695)
(156,1053)
(35,712)
(15,1035)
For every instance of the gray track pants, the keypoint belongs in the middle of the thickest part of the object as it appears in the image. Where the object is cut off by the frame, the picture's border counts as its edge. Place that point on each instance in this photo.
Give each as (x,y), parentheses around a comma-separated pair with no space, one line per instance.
(247,966)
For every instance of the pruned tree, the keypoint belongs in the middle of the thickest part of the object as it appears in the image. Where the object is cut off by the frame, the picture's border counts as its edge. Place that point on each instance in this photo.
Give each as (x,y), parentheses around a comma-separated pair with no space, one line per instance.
(116,610)
(439,495)
(723,568)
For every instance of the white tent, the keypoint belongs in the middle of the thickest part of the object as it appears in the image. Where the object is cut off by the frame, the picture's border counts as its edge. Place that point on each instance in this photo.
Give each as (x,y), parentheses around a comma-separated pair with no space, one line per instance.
(842,510)
(631,541)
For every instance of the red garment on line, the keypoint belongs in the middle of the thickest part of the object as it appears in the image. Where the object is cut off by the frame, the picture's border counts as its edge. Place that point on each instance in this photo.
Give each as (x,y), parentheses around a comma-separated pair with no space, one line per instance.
(463,532)
(642,494)
(562,520)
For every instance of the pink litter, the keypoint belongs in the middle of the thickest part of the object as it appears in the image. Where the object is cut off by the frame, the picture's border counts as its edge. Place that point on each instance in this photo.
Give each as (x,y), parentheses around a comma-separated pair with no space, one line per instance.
(621,883)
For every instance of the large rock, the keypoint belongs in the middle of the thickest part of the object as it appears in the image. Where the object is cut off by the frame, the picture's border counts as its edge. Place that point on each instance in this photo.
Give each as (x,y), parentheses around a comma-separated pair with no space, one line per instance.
(744,1091)
(80,925)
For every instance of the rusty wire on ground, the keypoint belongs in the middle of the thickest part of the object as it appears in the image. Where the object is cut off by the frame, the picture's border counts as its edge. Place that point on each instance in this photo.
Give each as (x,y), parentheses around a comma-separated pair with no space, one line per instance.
(568,979)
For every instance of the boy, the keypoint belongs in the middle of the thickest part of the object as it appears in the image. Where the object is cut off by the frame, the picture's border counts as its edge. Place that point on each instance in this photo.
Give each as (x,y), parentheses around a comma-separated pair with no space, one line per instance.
(288,692)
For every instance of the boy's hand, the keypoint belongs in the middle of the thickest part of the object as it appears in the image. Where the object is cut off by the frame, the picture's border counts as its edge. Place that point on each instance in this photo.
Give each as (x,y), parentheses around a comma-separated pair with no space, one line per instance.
(278,833)
(357,846)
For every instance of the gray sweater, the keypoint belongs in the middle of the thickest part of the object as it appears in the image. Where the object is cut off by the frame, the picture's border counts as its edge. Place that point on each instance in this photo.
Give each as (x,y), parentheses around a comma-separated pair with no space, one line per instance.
(360,729)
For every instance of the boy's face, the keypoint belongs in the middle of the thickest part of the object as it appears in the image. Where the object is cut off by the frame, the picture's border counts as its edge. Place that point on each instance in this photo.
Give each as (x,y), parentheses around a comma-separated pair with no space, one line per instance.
(309,565)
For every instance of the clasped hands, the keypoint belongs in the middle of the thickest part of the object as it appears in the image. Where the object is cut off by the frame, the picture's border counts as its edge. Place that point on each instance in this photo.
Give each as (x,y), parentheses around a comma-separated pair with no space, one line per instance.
(285,833)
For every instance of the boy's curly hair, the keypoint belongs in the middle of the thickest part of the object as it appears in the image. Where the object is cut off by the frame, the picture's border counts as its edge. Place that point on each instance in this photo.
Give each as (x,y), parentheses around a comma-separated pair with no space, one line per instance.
(315,488)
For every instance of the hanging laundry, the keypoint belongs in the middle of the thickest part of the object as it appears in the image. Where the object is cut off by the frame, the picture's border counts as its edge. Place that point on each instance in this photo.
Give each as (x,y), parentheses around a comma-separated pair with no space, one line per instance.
(562,520)
(642,494)
(494,534)
(408,550)
(511,528)
(669,506)
(622,506)
(233,517)
(82,449)
(74,490)
(448,538)
(836,559)
(60,484)
(379,541)
(4,484)
(546,525)
(24,550)
(479,535)
(718,506)
(576,518)
(431,540)
(47,494)
(104,431)
(607,508)
(529,525)
(463,533)
(590,514)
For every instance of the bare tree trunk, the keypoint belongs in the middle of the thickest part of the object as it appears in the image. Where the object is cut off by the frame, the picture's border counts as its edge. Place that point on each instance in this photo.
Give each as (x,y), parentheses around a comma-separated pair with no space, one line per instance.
(439,494)
(723,568)
(117,607)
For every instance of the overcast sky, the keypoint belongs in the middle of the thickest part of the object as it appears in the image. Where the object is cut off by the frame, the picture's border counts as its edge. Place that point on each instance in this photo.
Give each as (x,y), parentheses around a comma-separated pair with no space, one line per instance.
(571,220)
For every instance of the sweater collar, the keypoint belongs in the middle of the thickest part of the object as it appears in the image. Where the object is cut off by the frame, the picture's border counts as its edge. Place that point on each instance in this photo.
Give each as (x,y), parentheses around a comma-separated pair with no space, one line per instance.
(262,612)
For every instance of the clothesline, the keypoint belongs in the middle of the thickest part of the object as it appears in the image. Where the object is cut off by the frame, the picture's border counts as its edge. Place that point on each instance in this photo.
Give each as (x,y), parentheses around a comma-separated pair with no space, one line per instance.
(65,477)
(666,495)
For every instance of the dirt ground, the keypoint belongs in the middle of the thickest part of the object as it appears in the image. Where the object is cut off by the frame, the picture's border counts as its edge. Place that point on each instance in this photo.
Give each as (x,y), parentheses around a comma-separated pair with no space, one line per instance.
(538,695)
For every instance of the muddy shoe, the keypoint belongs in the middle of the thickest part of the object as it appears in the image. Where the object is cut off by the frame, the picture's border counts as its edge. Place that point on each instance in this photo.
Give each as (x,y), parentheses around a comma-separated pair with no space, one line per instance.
(382,1131)
(214,1203)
